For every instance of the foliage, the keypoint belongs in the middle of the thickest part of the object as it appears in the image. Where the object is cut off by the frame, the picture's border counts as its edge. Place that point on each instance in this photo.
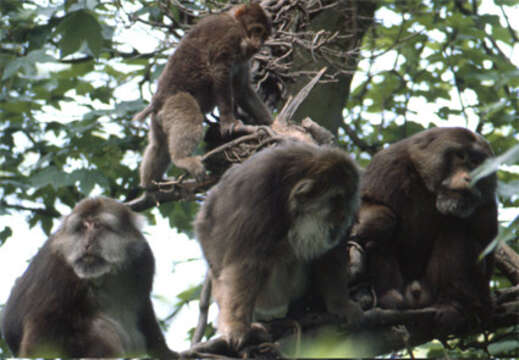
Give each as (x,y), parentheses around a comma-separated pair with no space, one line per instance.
(70,83)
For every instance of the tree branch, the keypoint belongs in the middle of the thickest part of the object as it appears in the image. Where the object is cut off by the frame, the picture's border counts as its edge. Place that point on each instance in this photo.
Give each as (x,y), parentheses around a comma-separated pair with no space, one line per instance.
(379,332)
(40,211)
(507,261)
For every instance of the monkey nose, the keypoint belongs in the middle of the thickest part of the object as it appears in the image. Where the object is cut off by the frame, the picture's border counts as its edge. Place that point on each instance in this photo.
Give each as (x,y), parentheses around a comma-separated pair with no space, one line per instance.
(89,225)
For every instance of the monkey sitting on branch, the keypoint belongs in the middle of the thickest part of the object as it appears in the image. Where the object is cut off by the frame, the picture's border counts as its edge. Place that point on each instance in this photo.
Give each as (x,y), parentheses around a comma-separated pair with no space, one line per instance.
(209,68)
(424,225)
(87,291)
(270,226)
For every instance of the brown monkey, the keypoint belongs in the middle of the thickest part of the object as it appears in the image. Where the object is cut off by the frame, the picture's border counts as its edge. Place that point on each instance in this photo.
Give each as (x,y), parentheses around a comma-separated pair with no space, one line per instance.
(209,68)
(271,224)
(424,225)
(86,293)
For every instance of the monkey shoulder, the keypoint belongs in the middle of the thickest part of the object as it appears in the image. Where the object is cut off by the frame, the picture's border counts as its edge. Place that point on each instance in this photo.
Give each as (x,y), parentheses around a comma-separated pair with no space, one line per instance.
(376,223)
(390,178)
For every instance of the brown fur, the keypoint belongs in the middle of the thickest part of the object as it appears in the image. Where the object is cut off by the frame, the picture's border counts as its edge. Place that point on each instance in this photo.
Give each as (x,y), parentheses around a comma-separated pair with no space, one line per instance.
(69,305)
(272,223)
(209,68)
(421,222)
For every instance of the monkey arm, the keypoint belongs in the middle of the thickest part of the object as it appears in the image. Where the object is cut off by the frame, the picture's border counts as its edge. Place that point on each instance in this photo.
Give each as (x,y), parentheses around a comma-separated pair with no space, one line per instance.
(247,98)
(223,62)
(155,344)
(224,97)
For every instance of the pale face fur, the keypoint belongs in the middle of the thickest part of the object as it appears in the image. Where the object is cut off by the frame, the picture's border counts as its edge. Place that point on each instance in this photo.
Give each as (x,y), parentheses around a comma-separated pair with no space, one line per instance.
(95,252)
(315,230)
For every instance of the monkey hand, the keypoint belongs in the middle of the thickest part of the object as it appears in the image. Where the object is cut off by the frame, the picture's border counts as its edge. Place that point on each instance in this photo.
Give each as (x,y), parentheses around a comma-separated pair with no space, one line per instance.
(197,169)
(230,126)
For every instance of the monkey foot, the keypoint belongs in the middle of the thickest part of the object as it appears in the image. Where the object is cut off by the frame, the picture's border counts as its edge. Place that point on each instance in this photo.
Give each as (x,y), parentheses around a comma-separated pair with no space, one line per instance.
(240,339)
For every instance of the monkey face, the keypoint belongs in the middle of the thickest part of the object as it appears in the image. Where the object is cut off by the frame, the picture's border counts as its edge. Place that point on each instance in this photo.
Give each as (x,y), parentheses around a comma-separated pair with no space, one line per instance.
(257,35)
(320,221)
(91,241)
(445,159)
(456,196)
(257,26)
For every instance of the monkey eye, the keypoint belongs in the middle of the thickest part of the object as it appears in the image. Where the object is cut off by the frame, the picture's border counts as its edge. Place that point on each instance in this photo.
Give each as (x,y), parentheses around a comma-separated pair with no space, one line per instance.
(79,227)
(460,155)
(256,31)
(477,158)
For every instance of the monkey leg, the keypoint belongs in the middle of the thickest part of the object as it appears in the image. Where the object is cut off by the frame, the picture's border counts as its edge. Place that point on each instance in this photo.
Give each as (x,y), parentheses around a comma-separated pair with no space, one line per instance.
(155,160)
(235,290)
(182,121)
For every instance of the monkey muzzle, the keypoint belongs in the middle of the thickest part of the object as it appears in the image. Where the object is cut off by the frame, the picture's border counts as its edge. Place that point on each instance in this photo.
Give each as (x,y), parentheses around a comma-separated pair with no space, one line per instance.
(90,259)
(89,266)
(460,203)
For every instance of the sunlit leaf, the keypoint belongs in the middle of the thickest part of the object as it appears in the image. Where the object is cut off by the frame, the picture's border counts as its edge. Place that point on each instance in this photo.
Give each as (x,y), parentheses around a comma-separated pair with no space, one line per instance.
(503,347)
(77,29)
(5,234)
(88,179)
(505,234)
(51,176)
(492,165)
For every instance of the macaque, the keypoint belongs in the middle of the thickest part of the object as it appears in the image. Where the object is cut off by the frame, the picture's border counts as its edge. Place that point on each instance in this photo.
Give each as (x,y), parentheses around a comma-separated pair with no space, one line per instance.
(209,68)
(270,225)
(86,293)
(424,225)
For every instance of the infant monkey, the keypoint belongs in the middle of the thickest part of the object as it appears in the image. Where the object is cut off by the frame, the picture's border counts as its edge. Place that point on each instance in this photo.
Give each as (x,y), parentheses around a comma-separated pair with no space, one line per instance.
(209,68)
(271,225)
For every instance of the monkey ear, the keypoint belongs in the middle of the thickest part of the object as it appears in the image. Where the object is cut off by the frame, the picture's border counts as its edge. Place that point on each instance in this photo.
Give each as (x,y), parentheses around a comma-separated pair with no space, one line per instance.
(238,11)
(301,189)
(138,220)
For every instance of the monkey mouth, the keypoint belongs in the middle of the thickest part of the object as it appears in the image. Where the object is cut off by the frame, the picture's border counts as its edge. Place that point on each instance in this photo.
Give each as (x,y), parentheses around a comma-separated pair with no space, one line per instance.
(91,266)
(90,259)
(457,203)
(472,193)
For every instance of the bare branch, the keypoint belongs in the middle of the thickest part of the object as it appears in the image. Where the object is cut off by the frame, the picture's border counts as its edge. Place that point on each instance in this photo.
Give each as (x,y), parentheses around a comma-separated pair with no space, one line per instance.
(507,261)
(380,331)
(292,105)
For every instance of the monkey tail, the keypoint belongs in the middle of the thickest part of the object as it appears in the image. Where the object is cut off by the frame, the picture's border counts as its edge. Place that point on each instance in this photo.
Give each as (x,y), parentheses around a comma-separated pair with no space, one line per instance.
(143,114)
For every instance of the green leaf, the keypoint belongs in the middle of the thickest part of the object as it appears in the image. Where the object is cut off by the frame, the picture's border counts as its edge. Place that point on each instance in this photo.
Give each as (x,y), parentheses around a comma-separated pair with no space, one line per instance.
(81,4)
(5,234)
(50,176)
(88,179)
(503,347)
(508,189)
(492,165)
(26,63)
(505,234)
(190,294)
(46,224)
(77,29)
